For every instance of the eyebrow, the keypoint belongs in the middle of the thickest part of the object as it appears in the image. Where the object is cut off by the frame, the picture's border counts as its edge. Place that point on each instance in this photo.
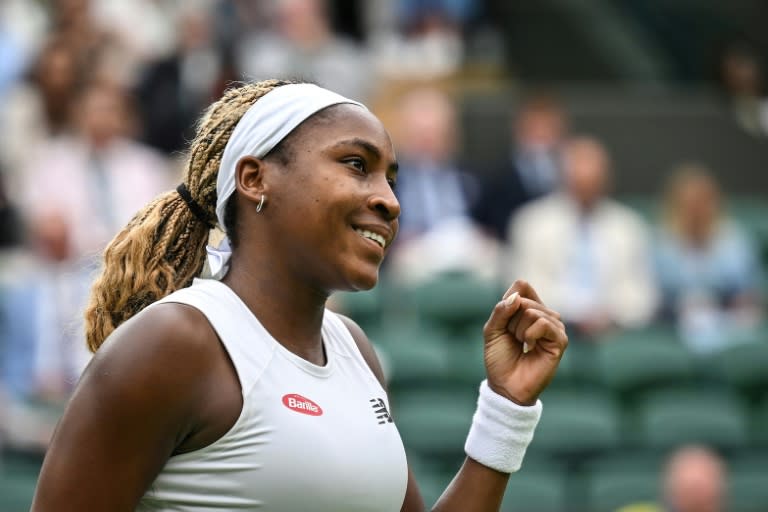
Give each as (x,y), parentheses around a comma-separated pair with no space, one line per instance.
(370,148)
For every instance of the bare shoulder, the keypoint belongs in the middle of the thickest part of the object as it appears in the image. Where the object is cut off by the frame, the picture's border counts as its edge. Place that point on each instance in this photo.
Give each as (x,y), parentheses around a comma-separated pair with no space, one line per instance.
(168,335)
(166,343)
(160,359)
(136,404)
(365,348)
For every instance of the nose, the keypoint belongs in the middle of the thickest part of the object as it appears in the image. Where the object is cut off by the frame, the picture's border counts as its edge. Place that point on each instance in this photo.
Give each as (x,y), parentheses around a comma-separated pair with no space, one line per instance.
(384,201)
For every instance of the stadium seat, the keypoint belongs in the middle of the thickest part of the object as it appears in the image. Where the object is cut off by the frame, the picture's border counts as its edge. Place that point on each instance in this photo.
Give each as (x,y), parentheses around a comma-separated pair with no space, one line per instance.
(577,367)
(759,423)
(592,489)
(576,423)
(609,489)
(466,360)
(18,478)
(748,483)
(16,492)
(744,365)
(536,489)
(636,361)
(434,424)
(416,355)
(454,300)
(362,307)
(752,214)
(431,477)
(626,457)
(668,418)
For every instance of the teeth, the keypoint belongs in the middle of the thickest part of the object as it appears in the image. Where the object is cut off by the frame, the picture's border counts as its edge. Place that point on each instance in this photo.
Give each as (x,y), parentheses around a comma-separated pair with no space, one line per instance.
(373,236)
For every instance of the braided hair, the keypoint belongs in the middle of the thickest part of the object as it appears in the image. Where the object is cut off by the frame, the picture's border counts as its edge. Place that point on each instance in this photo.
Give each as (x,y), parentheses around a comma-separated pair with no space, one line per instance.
(163,247)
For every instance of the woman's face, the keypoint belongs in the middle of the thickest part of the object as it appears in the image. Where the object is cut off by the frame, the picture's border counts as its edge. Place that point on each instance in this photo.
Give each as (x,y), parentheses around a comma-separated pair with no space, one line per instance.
(332,208)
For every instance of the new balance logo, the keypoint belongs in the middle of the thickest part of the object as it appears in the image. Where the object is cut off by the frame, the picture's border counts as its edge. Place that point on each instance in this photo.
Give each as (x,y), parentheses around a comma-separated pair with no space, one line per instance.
(380,409)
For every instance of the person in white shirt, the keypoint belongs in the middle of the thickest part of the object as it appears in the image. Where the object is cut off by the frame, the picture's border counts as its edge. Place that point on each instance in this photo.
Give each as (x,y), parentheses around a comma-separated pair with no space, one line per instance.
(589,256)
(96,178)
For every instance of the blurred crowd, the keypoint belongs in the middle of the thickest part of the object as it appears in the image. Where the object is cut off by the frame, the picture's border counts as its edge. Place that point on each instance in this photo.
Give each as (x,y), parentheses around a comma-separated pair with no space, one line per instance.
(99,98)
(547,214)
(97,102)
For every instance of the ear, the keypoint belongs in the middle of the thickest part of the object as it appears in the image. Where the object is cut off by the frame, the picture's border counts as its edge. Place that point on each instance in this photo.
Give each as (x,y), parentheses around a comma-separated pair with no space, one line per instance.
(252,178)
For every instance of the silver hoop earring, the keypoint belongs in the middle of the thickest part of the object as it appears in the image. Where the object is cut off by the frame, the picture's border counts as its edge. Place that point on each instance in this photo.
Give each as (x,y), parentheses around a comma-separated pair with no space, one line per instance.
(261,203)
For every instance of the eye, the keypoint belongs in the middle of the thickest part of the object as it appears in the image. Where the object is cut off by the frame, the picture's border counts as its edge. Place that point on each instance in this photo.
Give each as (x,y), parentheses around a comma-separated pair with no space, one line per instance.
(392,183)
(357,163)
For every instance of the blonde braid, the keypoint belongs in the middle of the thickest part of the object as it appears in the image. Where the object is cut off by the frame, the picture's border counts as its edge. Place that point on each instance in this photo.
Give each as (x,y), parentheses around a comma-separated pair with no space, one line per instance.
(163,247)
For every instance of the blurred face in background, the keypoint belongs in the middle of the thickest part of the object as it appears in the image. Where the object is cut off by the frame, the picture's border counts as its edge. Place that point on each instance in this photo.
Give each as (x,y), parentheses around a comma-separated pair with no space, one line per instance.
(693,204)
(103,114)
(72,14)
(427,126)
(194,31)
(695,481)
(56,71)
(585,171)
(302,21)
(540,125)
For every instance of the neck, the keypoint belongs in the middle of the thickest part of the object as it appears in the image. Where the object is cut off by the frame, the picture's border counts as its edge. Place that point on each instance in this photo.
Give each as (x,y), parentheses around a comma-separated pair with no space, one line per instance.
(289,309)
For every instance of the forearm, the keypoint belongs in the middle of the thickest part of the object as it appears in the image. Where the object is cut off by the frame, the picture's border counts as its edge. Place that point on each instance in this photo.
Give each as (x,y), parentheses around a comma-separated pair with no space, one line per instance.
(475,488)
(500,433)
(504,423)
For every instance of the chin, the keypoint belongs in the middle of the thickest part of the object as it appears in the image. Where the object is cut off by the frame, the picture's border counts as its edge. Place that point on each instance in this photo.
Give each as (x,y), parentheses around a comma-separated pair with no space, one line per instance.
(363,285)
(364,281)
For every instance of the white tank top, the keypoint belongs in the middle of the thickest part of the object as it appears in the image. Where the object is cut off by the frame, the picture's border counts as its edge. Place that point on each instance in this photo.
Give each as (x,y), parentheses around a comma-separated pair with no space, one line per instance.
(308,439)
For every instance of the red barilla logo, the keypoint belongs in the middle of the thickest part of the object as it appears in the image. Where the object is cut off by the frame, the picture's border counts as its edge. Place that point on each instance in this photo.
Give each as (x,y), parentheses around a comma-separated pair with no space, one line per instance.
(301,404)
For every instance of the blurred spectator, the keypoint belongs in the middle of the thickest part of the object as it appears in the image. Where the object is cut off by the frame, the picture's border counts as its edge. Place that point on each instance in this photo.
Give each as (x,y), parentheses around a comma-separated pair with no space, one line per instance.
(175,89)
(455,246)
(97,178)
(157,20)
(73,22)
(427,42)
(708,269)
(431,188)
(588,256)
(436,232)
(742,79)
(533,168)
(39,107)
(300,43)
(42,307)
(98,33)
(694,480)
(41,345)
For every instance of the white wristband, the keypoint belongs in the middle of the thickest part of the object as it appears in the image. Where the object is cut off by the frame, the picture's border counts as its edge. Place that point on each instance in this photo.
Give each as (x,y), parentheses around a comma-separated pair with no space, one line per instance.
(501,431)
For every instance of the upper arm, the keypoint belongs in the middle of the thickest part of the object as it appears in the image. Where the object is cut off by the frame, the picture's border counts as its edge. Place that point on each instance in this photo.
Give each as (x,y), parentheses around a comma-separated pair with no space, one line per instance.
(413,501)
(131,409)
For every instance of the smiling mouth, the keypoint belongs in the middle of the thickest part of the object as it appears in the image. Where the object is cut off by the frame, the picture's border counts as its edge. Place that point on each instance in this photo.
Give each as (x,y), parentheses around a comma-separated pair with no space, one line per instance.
(370,235)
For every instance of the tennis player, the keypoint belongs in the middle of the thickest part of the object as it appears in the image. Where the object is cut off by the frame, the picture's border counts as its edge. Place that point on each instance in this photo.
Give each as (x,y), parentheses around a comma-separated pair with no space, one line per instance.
(240,391)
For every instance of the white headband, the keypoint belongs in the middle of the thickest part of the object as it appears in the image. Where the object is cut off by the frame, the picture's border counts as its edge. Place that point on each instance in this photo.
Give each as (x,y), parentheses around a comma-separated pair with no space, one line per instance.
(264,125)
(267,122)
